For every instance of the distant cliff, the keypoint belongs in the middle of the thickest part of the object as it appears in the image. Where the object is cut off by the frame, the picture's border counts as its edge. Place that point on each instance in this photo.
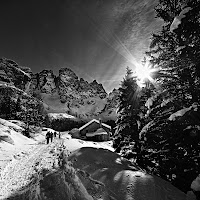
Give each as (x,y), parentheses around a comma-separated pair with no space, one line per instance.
(65,93)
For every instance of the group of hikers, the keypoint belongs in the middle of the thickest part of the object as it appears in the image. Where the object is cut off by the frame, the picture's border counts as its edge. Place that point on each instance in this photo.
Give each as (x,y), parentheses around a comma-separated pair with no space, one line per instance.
(50,135)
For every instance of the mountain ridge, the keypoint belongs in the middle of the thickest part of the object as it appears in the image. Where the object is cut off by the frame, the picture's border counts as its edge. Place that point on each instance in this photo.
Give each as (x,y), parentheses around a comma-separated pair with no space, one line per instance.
(65,93)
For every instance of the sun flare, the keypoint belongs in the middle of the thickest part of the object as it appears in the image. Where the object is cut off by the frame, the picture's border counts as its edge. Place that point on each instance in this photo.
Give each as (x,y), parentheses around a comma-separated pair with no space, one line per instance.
(144,74)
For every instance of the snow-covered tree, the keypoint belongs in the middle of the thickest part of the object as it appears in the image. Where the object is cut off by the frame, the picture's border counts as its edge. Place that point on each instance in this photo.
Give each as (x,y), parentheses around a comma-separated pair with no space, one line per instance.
(127,127)
(171,137)
(175,49)
(32,113)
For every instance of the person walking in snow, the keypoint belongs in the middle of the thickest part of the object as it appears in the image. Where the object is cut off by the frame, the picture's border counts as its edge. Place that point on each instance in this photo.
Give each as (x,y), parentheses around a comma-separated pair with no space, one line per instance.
(59,135)
(47,137)
(55,134)
(51,136)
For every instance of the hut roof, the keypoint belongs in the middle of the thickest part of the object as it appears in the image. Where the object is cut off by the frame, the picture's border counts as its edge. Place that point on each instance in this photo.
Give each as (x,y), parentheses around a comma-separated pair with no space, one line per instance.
(94,120)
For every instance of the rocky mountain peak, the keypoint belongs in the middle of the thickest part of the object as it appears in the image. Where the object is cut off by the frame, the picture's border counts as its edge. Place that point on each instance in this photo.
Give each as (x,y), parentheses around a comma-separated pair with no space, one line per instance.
(46,72)
(12,74)
(99,88)
(83,85)
(66,74)
(44,81)
(63,93)
(114,93)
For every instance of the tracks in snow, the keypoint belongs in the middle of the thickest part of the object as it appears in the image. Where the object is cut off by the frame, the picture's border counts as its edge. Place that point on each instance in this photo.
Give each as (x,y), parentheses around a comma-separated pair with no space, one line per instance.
(19,173)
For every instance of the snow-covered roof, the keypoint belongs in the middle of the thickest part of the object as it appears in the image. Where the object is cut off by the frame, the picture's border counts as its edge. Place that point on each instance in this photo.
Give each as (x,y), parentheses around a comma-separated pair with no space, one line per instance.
(90,122)
(178,19)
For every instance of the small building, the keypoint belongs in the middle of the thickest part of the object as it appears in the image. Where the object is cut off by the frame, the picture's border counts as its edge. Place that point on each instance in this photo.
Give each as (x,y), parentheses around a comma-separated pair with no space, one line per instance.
(92,126)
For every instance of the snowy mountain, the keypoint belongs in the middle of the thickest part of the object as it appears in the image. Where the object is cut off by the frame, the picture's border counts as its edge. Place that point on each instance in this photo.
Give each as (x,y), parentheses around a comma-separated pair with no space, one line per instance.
(65,93)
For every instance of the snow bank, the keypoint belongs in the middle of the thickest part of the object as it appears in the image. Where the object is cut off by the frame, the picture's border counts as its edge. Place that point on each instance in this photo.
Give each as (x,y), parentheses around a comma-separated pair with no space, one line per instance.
(182,112)
(12,141)
(74,144)
(177,19)
(60,116)
(14,132)
(196,184)
(121,178)
(18,122)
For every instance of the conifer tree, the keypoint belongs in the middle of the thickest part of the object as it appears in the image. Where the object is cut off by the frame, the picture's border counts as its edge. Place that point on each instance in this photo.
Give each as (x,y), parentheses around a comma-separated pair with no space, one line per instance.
(7,103)
(18,107)
(172,146)
(32,113)
(175,49)
(127,120)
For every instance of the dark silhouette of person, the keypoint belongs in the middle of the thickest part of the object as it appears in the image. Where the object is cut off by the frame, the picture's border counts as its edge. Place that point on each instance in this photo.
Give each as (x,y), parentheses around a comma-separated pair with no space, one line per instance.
(55,134)
(47,137)
(51,136)
(59,134)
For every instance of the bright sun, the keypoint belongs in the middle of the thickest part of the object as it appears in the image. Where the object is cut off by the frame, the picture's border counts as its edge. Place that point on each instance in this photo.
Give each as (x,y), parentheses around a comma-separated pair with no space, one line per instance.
(144,73)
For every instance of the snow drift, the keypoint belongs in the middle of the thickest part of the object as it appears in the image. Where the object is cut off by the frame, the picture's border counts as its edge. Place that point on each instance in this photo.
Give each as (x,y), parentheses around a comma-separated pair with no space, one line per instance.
(12,141)
(121,178)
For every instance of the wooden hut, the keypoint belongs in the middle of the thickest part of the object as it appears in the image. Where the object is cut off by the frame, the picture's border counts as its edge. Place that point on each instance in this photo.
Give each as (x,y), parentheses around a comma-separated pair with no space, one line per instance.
(92,126)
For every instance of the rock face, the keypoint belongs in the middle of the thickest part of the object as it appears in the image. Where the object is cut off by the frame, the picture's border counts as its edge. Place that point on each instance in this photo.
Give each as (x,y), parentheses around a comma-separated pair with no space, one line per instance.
(65,93)
(67,84)
(111,105)
(113,99)
(12,74)
(44,81)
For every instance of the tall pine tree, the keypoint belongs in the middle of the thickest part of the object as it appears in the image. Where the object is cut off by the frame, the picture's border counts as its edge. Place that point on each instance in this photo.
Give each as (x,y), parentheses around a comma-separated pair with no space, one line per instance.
(171,138)
(127,124)
(7,103)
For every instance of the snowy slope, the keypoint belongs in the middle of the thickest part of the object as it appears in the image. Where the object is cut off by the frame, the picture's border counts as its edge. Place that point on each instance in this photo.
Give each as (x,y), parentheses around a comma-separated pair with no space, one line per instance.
(122,179)
(90,107)
(12,142)
(60,116)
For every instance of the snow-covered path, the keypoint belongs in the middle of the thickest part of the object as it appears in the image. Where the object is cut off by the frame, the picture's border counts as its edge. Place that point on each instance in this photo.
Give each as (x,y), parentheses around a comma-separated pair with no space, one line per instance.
(20,172)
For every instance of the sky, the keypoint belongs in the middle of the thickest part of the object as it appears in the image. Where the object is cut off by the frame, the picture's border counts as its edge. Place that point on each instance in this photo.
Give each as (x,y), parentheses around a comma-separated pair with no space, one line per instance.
(97,39)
